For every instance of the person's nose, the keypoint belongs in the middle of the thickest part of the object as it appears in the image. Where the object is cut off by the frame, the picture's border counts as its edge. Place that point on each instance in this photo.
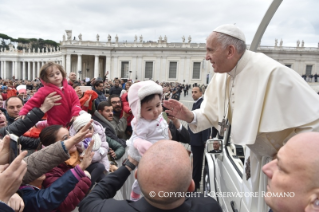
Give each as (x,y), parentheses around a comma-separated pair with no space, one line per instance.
(269,168)
(207,57)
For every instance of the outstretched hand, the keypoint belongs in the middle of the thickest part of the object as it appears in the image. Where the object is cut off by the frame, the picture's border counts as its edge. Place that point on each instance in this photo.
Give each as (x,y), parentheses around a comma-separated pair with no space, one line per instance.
(87,158)
(178,110)
(5,150)
(11,177)
(79,136)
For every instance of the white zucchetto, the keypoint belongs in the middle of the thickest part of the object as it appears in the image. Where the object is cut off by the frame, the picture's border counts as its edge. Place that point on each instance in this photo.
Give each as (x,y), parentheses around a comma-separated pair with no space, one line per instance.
(231,30)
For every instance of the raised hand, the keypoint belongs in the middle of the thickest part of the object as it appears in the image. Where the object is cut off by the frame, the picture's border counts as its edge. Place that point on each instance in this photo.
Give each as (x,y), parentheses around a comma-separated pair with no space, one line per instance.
(50,101)
(178,110)
(11,177)
(87,158)
(79,136)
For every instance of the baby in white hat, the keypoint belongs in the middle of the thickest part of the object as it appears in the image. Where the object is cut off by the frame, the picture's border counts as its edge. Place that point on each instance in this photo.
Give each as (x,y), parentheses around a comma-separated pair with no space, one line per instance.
(100,147)
(148,124)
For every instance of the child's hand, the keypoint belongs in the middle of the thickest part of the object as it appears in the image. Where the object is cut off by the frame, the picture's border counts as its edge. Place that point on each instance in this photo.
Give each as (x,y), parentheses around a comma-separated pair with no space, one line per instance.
(16,203)
(142,145)
(86,104)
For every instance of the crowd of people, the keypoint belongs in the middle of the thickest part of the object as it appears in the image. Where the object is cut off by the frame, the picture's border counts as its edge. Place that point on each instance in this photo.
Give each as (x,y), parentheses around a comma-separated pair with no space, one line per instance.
(73,138)
(68,143)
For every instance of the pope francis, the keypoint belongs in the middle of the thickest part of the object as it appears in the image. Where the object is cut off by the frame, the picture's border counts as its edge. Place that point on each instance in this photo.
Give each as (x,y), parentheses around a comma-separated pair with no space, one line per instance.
(266,102)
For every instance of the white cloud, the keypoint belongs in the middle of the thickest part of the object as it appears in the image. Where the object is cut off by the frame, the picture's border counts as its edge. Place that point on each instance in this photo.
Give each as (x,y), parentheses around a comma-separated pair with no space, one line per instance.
(174,18)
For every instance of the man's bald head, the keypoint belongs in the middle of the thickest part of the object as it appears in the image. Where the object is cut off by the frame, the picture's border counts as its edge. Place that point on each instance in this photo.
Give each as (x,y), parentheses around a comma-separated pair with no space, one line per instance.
(295,170)
(166,167)
(72,76)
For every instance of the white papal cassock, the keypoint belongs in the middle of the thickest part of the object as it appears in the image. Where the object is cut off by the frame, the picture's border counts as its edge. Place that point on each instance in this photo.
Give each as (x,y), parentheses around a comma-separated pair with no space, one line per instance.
(269,104)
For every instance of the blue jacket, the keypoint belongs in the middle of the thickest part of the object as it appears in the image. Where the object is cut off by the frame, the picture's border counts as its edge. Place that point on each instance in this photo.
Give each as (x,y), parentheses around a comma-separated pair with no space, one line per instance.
(50,198)
(101,97)
(198,139)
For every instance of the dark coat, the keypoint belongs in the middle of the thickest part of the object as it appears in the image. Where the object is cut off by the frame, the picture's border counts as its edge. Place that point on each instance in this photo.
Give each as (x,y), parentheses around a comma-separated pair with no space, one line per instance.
(101,97)
(198,139)
(29,143)
(109,130)
(182,136)
(115,90)
(76,195)
(20,126)
(50,198)
(5,208)
(101,198)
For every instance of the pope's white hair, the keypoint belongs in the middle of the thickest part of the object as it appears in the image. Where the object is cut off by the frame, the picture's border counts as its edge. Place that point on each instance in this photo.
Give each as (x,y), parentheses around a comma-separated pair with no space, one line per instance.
(226,40)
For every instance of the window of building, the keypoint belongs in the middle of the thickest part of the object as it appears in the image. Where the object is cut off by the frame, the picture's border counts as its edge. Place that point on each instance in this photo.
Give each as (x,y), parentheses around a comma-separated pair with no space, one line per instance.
(288,65)
(125,69)
(149,70)
(308,69)
(196,70)
(172,70)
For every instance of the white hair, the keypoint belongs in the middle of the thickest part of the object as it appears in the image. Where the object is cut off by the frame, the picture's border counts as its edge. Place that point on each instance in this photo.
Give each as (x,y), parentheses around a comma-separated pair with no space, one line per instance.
(217,141)
(226,40)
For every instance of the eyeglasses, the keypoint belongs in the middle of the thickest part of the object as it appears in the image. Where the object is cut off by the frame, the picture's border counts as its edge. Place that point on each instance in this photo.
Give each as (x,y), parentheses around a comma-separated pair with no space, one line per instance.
(118,102)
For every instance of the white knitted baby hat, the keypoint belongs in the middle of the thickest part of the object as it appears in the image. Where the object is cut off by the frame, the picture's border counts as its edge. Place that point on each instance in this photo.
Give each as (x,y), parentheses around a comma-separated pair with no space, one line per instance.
(81,120)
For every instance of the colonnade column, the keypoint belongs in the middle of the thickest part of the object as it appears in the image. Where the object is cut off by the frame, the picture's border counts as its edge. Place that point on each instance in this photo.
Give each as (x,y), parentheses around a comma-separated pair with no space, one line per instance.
(63,61)
(13,69)
(23,70)
(5,70)
(68,64)
(79,66)
(1,70)
(96,66)
(39,68)
(33,70)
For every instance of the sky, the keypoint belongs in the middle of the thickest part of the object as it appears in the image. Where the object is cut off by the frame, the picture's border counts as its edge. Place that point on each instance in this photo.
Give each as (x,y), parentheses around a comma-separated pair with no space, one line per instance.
(294,19)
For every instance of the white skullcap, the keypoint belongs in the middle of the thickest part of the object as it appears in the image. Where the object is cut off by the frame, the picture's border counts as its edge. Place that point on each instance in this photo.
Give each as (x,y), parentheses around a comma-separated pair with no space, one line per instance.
(231,30)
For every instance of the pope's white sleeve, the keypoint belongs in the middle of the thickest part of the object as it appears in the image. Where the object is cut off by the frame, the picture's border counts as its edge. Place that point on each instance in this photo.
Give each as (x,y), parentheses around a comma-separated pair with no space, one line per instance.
(207,115)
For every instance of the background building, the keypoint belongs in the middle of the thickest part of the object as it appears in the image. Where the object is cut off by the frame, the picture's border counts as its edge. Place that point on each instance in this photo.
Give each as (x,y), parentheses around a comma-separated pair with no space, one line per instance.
(183,62)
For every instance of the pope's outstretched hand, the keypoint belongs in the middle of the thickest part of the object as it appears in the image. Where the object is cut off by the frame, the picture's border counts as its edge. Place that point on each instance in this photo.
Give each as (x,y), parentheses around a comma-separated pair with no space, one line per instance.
(178,110)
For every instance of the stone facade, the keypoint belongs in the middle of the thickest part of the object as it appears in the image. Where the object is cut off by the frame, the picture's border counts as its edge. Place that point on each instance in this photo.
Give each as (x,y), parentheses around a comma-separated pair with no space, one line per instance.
(182,62)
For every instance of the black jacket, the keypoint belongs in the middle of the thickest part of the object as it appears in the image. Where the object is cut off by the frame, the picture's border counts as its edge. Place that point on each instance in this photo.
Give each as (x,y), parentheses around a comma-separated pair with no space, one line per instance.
(5,208)
(29,143)
(20,126)
(198,139)
(109,130)
(182,136)
(101,198)
(115,90)
(10,120)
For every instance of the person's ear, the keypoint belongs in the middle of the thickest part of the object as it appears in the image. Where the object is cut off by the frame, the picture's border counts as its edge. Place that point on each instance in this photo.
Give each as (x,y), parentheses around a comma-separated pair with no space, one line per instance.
(231,51)
(313,205)
(191,187)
